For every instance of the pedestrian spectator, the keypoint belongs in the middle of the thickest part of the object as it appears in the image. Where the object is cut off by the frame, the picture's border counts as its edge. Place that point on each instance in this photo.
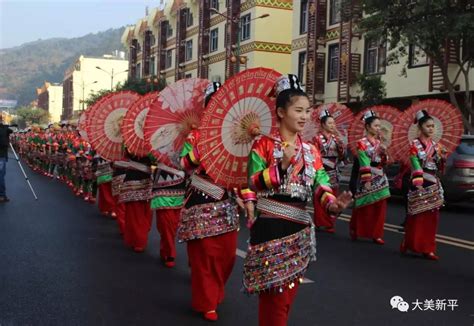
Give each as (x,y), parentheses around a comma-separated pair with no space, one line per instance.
(5,132)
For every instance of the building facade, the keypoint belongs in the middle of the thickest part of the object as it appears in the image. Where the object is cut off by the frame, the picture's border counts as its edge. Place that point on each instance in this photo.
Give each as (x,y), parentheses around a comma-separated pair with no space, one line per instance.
(211,39)
(50,98)
(88,75)
(215,39)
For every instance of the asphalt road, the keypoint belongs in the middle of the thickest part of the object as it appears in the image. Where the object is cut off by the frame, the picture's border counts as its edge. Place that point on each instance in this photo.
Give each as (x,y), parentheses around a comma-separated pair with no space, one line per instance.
(61,263)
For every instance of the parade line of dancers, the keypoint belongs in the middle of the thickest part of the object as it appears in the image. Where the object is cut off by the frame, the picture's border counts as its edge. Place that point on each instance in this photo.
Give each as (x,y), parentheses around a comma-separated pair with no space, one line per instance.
(284,175)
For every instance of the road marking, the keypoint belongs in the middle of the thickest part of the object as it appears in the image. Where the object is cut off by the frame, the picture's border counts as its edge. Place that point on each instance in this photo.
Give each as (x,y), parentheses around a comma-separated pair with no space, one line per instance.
(461,243)
(242,254)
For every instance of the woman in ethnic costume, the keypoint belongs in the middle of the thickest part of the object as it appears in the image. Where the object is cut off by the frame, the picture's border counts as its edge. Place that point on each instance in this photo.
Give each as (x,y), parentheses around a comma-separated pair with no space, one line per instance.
(135,194)
(370,206)
(167,201)
(425,197)
(332,151)
(285,172)
(209,224)
(103,173)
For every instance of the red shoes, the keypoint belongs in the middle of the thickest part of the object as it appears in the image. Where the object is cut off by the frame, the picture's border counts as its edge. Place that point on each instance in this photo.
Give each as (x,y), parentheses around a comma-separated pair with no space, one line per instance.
(431,256)
(379,241)
(211,315)
(168,262)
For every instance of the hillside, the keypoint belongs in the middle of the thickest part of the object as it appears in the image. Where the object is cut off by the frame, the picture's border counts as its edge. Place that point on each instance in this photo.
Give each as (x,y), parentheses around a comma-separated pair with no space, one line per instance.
(26,67)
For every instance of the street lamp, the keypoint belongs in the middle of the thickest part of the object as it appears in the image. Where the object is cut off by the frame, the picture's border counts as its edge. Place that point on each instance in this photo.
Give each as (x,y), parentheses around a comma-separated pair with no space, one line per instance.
(234,58)
(83,86)
(111,74)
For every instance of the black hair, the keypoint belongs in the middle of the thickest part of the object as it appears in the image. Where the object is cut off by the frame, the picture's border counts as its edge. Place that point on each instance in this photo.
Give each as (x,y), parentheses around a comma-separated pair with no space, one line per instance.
(284,98)
(368,121)
(426,117)
(208,98)
(325,118)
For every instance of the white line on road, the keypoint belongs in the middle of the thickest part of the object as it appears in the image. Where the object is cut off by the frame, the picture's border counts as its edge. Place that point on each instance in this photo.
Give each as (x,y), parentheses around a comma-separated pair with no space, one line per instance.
(461,243)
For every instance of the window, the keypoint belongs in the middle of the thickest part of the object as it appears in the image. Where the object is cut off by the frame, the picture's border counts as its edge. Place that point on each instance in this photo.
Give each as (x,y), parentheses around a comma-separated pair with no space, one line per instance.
(169,59)
(138,72)
(152,66)
(214,40)
(215,5)
(188,76)
(138,47)
(301,66)
(189,50)
(375,57)
(152,40)
(245,27)
(333,62)
(334,12)
(226,37)
(417,57)
(304,17)
(189,17)
(169,30)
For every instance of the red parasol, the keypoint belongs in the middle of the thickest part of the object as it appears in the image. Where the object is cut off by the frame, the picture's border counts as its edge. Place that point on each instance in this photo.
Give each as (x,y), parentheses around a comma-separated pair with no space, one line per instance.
(171,117)
(103,127)
(133,123)
(85,117)
(391,130)
(448,125)
(342,116)
(240,110)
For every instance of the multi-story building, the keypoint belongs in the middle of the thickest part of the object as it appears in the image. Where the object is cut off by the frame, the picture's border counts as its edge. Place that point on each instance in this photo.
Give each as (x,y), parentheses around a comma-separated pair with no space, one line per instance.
(50,98)
(328,53)
(306,37)
(88,75)
(211,39)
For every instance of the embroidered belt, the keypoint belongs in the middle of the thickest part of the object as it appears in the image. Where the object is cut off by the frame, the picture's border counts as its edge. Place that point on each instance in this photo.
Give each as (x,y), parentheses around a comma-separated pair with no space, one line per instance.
(168,192)
(170,170)
(277,264)
(135,190)
(133,166)
(207,220)
(207,187)
(116,184)
(103,169)
(430,177)
(274,208)
(330,163)
(377,183)
(425,199)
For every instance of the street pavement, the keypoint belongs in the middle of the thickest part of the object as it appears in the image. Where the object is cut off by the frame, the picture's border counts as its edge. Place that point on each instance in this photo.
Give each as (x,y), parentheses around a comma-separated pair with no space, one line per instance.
(61,263)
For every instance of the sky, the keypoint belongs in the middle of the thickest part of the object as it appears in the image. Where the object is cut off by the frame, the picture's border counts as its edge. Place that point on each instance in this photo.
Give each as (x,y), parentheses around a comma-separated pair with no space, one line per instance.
(24,21)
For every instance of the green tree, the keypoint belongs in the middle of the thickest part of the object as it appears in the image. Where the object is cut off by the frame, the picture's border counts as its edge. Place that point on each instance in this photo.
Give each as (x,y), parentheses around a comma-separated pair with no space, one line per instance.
(429,25)
(27,116)
(141,86)
(372,88)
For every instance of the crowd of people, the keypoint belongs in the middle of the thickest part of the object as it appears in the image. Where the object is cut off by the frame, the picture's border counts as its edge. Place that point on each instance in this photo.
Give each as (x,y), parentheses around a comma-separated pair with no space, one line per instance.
(285,173)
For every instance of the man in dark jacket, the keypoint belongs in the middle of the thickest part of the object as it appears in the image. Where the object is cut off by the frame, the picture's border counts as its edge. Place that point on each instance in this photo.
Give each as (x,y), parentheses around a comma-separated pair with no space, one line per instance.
(4,143)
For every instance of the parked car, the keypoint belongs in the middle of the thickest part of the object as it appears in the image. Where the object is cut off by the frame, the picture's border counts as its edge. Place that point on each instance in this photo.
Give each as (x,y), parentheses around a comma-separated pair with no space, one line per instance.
(457,181)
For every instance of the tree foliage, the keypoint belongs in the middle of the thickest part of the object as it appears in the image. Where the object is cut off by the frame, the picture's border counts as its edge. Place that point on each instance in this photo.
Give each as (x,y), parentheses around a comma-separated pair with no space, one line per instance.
(27,116)
(428,24)
(141,86)
(26,67)
(373,89)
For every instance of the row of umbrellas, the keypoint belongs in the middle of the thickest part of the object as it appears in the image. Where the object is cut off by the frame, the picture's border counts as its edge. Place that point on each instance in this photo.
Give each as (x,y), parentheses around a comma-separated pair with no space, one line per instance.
(241,109)
(398,129)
